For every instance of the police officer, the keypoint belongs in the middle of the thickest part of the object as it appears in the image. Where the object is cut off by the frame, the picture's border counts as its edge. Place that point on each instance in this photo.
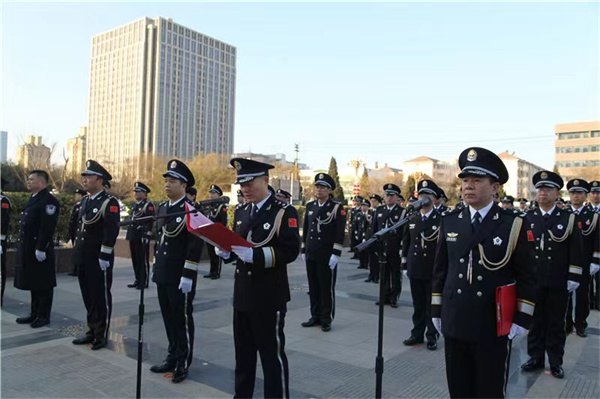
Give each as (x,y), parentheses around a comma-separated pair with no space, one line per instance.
(363,225)
(74,222)
(34,269)
(507,202)
(191,193)
(586,222)
(241,203)
(6,209)
(480,248)
(283,196)
(322,241)
(553,233)
(594,197)
(176,256)
(418,253)
(94,252)
(261,289)
(218,214)
(352,220)
(376,201)
(439,200)
(139,235)
(522,204)
(388,215)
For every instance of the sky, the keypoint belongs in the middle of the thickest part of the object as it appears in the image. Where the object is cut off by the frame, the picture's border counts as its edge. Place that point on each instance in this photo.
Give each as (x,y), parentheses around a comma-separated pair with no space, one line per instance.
(382,82)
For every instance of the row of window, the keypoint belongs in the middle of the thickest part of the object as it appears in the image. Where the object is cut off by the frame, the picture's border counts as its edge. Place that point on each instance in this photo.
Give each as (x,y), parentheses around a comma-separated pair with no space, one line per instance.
(579,135)
(575,149)
(578,164)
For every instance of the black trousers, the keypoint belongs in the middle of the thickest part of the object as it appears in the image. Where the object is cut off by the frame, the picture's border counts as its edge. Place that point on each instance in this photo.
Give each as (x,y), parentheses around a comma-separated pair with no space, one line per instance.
(547,334)
(262,332)
(74,264)
(41,303)
(215,260)
(392,282)
(363,258)
(595,291)
(321,286)
(3,271)
(95,286)
(140,254)
(176,308)
(373,264)
(477,369)
(582,306)
(421,296)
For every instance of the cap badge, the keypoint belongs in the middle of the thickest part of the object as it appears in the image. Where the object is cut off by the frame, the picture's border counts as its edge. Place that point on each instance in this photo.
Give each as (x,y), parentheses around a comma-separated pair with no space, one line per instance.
(237,165)
(173,165)
(576,182)
(87,164)
(425,184)
(544,175)
(472,155)
(320,175)
(389,186)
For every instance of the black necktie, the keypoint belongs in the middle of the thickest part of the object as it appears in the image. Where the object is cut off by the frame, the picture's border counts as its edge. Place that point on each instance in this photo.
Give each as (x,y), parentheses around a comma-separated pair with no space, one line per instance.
(424,218)
(547,221)
(253,212)
(476,221)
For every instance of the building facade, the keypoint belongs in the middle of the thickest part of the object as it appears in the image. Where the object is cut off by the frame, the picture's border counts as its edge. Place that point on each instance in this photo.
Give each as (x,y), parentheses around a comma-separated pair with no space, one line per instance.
(157,87)
(577,150)
(33,154)
(520,174)
(76,152)
(443,173)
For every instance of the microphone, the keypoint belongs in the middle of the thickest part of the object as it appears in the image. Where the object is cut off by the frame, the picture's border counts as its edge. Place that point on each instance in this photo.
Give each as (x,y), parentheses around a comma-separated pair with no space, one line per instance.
(426,201)
(221,200)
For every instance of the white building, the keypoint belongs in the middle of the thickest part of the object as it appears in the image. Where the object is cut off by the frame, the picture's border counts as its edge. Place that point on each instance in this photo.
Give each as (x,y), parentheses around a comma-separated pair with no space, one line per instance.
(520,173)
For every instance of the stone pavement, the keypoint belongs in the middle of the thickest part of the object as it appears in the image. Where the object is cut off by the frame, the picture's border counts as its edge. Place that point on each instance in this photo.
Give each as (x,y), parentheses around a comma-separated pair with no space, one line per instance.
(339,364)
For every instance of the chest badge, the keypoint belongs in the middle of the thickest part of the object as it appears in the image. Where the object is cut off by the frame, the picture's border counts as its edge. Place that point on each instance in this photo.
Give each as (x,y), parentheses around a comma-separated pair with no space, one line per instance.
(497,241)
(95,210)
(266,226)
(451,236)
(178,219)
(587,222)
(532,224)
(51,209)
(411,226)
(496,217)
(310,212)
(434,227)
(560,226)
(379,215)
(396,217)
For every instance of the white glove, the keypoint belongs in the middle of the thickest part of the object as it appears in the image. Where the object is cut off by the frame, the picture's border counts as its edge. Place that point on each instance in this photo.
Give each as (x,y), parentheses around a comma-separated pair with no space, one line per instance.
(145,241)
(185,285)
(221,253)
(303,256)
(437,323)
(594,268)
(333,261)
(515,330)
(104,264)
(244,253)
(40,255)
(572,285)
(1,250)
(405,272)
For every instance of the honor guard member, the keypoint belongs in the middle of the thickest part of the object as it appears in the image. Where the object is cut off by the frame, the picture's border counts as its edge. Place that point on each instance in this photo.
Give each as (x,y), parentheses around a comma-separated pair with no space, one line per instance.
(586,221)
(283,196)
(439,200)
(176,256)
(74,222)
(261,289)
(558,267)
(376,201)
(594,197)
(218,214)
(364,223)
(388,215)
(419,241)
(240,205)
(94,253)
(322,240)
(480,248)
(191,193)
(6,209)
(35,268)
(507,202)
(354,211)
(139,235)
(522,204)
(240,198)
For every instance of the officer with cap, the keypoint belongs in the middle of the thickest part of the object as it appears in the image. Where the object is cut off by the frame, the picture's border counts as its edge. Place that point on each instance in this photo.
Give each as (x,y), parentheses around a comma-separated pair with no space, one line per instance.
(6,209)
(322,241)
(480,248)
(240,205)
(586,221)
(522,204)
(139,235)
(283,196)
(376,201)
(401,200)
(507,202)
(439,200)
(386,216)
(94,253)
(363,225)
(418,253)
(74,221)
(559,269)
(353,225)
(191,193)
(261,288)
(594,197)
(218,214)
(176,256)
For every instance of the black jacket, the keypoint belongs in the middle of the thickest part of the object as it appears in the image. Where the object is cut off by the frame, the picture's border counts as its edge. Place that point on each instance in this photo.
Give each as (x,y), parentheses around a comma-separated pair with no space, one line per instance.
(385,217)
(323,231)
(137,231)
(74,222)
(6,208)
(419,241)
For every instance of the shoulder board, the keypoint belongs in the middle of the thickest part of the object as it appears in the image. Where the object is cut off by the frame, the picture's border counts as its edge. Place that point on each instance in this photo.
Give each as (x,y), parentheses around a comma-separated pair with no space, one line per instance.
(280,204)
(164,203)
(452,212)
(511,212)
(336,201)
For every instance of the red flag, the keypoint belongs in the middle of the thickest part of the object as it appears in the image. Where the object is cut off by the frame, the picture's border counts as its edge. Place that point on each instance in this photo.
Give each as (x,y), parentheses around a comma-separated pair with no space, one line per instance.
(114,209)
(529,235)
(292,222)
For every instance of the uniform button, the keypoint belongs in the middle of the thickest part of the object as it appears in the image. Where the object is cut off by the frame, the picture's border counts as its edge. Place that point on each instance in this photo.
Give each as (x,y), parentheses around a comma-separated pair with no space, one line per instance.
(311,230)
(537,257)
(549,248)
(460,275)
(549,257)
(424,246)
(416,246)
(424,254)
(164,253)
(249,273)
(319,238)
(480,262)
(166,243)
(237,270)
(461,260)
(537,247)
(479,293)
(459,291)
(415,253)
(479,278)
(537,239)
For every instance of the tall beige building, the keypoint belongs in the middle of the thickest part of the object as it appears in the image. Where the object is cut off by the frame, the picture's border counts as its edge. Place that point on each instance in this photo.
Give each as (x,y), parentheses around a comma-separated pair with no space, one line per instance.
(33,154)
(520,173)
(443,173)
(76,152)
(577,150)
(157,87)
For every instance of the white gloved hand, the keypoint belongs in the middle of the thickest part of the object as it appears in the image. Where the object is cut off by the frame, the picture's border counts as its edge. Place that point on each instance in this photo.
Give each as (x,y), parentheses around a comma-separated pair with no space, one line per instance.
(185,285)
(516,330)
(303,256)
(437,323)
(104,264)
(244,253)
(594,268)
(221,253)
(1,250)
(572,285)
(333,261)
(40,255)
(405,272)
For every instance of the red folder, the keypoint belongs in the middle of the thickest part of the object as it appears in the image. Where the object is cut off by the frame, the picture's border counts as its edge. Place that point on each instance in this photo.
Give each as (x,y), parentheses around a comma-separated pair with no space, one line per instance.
(213,233)
(506,302)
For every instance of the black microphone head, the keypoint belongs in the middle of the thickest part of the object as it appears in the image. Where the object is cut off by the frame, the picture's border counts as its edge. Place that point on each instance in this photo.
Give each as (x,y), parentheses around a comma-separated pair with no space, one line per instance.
(425,201)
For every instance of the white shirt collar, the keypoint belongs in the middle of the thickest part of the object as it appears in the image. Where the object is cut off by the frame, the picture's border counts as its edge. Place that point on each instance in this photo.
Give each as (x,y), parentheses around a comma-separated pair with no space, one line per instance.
(319,202)
(391,207)
(176,202)
(261,203)
(482,212)
(577,211)
(97,194)
(550,211)
(426,214)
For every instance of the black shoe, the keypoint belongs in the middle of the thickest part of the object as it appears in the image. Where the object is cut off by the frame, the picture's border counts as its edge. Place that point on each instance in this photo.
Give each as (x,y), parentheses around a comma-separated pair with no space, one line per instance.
(413,341)
(311,323)
(432,345)
(557,371)
(25,320)
(376,281)
(40,322)
(582,333)
(326,327)
(165,367)
(72,274)
(139,287)
(214,277)
(368,280)
(98,344)
(84,340)
(209,275)
(133,285)
(179,374)
(532,364)
(394,304)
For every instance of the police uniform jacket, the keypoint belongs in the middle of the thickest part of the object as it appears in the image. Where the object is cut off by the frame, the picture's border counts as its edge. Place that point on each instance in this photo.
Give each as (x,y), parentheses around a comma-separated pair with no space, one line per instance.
(137,231)
(98,229)
(362,226)
(5,216)
(470,266)
(263,284)
(36,232)
(176,251)
(442,208)
(418,245)
(74,221)
(588,226)
(323,230)
(385,218)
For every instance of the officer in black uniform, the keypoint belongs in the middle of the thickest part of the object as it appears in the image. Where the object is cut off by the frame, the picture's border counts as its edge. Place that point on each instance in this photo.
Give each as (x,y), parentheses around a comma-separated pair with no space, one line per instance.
(35,269)
(522,204)
(139,235)
(480,248)
(363,226)
(353,225)
(418,253)
(322,241)
(74,222)
(176,256)
(438,200)
(507,202)
(594,197)
(94,252)
(557,262)
(261,289)
(283,196)
(218,214)
(386,216)
(241,203)
(376,201)
(191,193)
(5,218)
(586,221)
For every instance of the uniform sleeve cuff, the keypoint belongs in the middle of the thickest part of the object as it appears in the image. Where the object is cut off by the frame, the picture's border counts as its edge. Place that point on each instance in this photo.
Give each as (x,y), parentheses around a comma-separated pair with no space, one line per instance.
(191,265)
(525,306)
(106,250)
(269,255)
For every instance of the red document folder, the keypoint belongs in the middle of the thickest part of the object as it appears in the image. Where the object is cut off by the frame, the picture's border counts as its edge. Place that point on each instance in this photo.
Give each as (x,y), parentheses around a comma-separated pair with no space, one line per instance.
(213,233)
(506,302)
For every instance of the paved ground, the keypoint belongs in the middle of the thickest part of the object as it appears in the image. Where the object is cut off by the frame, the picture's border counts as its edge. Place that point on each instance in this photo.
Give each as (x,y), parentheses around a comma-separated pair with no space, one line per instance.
(339,364)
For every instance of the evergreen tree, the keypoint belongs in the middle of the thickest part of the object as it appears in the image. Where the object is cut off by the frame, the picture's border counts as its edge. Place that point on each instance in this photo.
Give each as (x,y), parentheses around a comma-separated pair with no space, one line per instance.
(409,187)
(364,184)
(338,193)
